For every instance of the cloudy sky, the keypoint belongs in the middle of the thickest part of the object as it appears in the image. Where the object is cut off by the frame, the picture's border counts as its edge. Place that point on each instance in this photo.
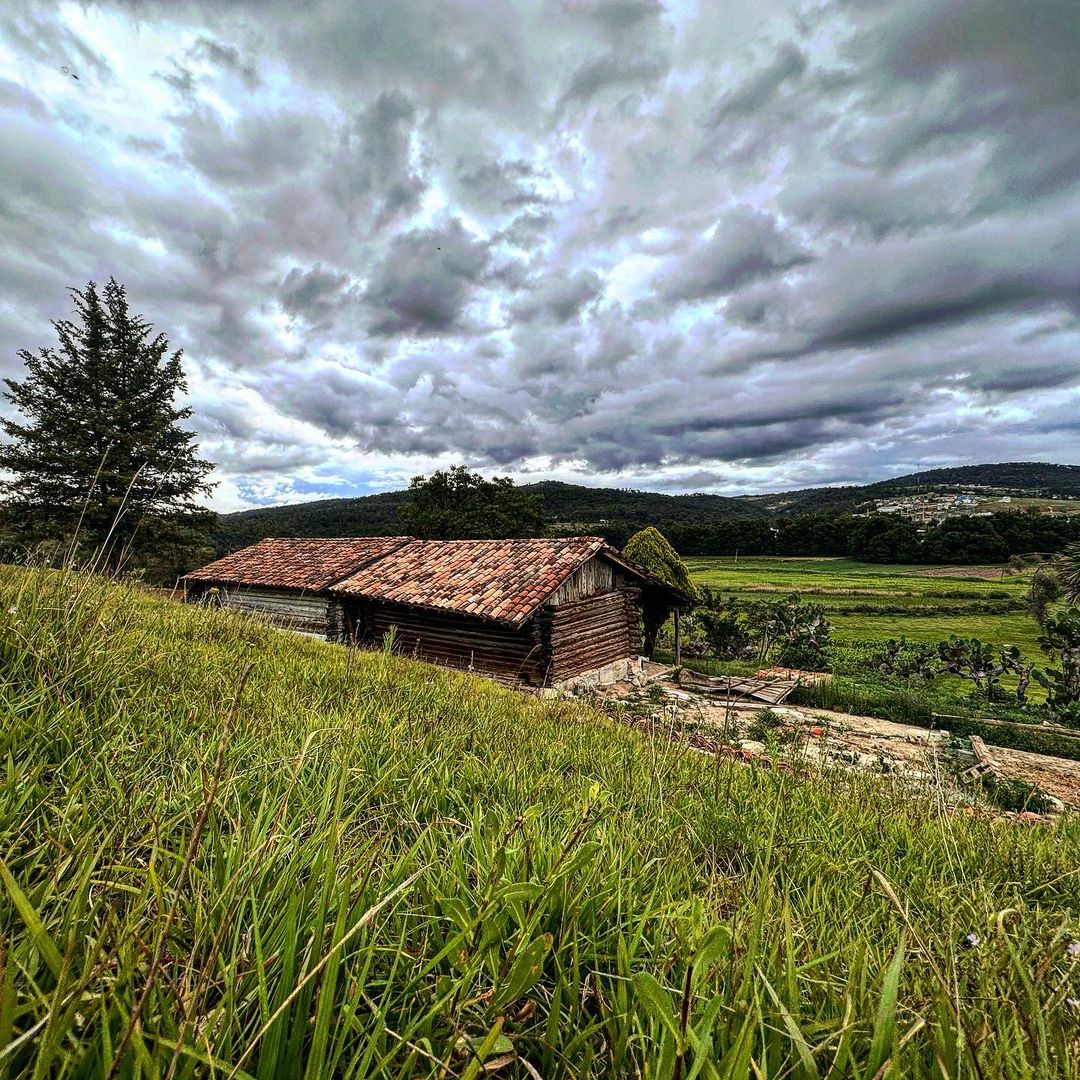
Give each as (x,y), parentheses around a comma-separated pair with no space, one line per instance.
(730,246)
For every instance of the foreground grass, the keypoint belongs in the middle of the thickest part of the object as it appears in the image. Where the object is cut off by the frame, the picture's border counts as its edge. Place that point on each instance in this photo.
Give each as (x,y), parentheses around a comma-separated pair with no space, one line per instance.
(228,851)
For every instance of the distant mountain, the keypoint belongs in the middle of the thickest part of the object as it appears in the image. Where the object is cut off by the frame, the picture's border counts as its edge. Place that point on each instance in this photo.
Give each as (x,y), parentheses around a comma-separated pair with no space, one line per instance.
(616,512)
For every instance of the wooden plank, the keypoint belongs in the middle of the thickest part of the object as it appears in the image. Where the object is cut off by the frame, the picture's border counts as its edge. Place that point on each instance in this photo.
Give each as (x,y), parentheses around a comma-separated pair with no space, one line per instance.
(770,692)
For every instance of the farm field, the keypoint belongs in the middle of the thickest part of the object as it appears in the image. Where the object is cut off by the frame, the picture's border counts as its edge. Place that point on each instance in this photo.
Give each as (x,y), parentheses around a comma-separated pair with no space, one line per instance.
(230,851)
(870,600)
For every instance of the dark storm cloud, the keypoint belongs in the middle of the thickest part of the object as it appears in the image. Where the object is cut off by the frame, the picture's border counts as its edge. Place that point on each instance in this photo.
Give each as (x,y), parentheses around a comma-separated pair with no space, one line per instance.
(761,87)
(560,298)
(613,71)
(663,244)
(425,280)
(746,244)
(229,57)
(620,15)
(313,294)
(990,69)
(501,183)
(256,150)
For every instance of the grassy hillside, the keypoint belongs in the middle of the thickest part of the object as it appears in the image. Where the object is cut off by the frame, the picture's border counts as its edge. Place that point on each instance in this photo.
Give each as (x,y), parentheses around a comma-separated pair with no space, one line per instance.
(231,851)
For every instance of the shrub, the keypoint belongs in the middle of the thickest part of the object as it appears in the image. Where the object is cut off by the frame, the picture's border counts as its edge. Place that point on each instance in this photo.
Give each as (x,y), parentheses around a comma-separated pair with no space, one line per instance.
(1009,794)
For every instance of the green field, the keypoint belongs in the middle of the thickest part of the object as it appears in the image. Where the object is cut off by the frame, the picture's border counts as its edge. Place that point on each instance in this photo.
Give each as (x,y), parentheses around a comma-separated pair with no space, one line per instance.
(231,851)
(869,600)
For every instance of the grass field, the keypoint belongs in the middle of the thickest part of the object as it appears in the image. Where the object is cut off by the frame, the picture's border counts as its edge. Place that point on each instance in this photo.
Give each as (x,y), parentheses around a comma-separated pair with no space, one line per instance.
(875,601)
(872,600)
(231,851)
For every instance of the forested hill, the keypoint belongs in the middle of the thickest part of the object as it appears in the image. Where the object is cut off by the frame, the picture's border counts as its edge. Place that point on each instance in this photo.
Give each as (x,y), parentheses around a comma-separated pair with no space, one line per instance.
(616,512)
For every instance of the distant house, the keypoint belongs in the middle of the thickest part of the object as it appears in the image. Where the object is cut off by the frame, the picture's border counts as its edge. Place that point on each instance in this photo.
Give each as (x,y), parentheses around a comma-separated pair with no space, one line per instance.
(288,580)
(531,612)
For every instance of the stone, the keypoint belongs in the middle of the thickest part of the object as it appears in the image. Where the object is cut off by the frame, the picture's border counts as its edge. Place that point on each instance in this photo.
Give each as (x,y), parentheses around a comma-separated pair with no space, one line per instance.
(752,746)
(608,674)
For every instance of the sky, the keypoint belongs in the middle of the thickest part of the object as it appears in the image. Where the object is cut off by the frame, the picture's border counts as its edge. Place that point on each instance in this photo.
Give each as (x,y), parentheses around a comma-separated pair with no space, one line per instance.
(729,247)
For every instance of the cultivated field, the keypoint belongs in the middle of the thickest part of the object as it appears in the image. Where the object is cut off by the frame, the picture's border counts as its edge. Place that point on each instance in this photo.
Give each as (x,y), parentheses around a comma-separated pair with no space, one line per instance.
(871,600)
(230,851)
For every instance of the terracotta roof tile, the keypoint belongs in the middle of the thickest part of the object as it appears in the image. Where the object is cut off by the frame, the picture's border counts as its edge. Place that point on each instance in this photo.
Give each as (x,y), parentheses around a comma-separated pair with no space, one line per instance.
(505,580)
(302,563)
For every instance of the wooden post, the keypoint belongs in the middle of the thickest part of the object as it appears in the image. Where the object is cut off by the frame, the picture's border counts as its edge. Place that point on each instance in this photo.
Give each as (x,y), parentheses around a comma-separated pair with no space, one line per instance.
(678,649)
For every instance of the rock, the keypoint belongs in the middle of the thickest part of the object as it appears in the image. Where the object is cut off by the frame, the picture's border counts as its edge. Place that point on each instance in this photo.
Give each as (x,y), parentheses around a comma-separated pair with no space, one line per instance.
(1027,817)
(960,798)
(1056,806)
(752,746)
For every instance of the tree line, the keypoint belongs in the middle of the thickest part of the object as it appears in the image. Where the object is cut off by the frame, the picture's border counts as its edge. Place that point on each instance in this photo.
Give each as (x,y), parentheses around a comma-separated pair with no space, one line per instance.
(878,538)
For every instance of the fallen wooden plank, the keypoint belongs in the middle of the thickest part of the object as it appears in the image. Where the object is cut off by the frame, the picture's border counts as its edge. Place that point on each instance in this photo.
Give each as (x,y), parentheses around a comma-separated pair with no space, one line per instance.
(766,691)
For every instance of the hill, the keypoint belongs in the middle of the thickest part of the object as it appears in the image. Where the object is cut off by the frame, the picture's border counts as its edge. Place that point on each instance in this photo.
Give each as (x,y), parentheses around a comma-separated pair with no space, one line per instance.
(617,512)
(236,851)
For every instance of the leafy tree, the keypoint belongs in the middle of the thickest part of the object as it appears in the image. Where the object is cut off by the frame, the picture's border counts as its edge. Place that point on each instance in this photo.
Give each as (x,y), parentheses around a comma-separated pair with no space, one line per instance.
(984,664)
(651,551)
(799,631)
(456,504)
(1068,568)
(971,659)
(99,454)
(1060,640)
(721,626)
(649,548)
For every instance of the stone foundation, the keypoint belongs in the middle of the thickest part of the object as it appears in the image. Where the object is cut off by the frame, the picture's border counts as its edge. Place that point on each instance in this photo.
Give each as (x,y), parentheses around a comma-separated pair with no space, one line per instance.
(617,671)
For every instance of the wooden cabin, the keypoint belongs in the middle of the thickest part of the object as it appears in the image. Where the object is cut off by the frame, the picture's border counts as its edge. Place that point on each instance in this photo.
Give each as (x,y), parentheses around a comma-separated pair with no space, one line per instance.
(529,612)
(288,580)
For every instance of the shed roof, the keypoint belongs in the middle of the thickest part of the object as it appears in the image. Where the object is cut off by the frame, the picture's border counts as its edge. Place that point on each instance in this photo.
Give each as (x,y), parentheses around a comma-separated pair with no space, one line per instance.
(309,563)
(503,580)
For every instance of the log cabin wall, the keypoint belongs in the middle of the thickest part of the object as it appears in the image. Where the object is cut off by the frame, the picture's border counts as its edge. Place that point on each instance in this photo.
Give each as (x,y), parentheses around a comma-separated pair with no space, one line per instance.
(588,633)
(511,655)
(309,613)
(591,578)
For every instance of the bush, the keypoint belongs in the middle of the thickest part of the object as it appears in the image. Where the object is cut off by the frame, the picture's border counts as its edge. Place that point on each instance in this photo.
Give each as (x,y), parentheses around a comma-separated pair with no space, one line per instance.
(768,726)
(1009,794)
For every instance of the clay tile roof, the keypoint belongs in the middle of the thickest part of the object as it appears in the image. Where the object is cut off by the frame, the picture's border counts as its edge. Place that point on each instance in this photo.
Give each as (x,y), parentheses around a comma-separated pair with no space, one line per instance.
(302,563)
(505,580)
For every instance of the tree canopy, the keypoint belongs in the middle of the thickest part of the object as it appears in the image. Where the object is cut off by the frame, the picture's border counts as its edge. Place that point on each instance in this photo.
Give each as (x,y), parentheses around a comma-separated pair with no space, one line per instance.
(650,549)
(456,504)
(99,454)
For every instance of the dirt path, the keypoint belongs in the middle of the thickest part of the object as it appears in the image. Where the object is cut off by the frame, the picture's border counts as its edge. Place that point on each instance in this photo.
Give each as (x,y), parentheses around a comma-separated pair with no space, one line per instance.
(986,573)
(863,742)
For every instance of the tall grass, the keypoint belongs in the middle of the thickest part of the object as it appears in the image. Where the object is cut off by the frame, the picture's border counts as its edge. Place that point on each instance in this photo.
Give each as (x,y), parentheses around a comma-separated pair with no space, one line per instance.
(233,852)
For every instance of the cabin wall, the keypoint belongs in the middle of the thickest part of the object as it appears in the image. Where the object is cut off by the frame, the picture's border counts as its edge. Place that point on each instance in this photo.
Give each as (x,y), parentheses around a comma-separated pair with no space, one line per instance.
(592,578)
(309,613)
(590,633)
(509,655)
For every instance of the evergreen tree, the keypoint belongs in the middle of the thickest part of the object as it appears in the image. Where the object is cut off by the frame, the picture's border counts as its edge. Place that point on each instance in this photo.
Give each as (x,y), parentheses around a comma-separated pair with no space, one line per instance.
(99,452)
(460,505)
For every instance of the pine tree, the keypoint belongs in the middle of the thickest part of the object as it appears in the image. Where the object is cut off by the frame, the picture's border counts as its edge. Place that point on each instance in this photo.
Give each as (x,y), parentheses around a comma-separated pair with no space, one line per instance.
(99,451)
